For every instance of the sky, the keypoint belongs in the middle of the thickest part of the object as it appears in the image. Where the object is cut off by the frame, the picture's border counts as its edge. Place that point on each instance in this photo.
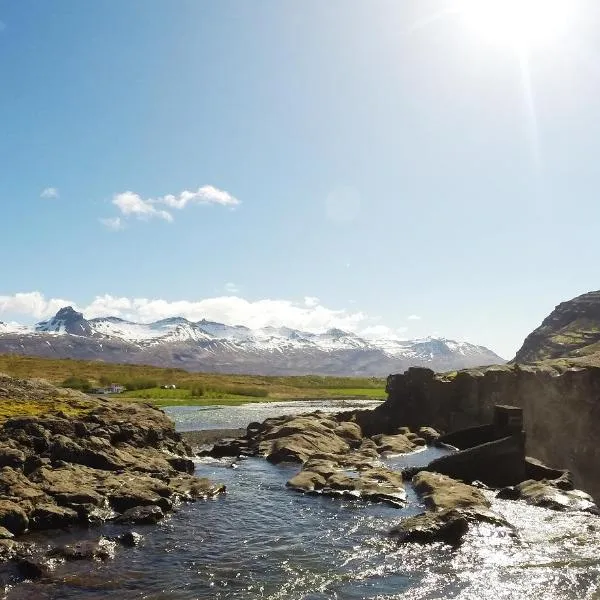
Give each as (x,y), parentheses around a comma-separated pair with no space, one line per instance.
(392,168)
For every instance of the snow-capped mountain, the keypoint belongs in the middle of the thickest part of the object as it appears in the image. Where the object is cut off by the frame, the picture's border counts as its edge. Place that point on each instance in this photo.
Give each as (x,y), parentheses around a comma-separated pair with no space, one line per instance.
(209,346)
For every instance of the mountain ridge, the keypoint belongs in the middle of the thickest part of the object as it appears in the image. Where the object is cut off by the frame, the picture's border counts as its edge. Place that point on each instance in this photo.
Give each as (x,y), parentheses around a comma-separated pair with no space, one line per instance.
(572,329)
(212,346)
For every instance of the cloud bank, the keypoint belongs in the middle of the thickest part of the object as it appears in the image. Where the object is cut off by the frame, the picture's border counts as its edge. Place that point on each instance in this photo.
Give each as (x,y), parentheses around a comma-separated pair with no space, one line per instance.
(307,315)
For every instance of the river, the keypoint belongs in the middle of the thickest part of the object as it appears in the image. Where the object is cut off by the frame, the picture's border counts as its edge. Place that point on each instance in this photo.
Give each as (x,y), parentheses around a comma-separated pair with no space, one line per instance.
(264,541)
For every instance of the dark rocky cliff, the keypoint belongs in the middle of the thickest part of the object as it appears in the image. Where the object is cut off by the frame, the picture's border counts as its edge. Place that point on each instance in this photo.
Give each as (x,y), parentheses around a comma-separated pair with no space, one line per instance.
(560,400)
(571,329)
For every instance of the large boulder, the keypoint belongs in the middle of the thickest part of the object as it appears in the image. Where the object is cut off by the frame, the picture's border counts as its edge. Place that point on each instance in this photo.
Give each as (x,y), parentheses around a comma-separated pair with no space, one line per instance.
(440,492)
(549,495)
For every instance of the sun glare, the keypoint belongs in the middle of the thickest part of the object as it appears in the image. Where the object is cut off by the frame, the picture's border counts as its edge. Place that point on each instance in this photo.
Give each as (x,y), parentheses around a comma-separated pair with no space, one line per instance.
(518,23)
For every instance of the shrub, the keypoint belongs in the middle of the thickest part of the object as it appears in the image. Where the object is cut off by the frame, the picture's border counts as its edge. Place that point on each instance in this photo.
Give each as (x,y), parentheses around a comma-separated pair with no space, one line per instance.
(77,383)
(140,384)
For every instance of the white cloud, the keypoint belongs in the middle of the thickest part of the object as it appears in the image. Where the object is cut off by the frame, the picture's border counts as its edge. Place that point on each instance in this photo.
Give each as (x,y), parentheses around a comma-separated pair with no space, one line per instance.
(32,304)
(231,310)
(49,193)
(207,194)
(131,204)
(414,318)
(114,224)
(231,287)
(311,301)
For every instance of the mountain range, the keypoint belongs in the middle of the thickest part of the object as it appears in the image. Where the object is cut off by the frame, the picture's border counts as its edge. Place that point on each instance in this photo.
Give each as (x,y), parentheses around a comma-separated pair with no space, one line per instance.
(210,346)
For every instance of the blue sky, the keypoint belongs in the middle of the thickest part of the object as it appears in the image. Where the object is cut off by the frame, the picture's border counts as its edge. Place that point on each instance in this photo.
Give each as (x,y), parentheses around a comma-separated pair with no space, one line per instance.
(388,164)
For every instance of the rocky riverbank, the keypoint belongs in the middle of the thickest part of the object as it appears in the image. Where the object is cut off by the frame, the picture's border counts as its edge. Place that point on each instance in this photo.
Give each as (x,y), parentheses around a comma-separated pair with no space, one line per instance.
(338,458)
(69,460)
(560,402)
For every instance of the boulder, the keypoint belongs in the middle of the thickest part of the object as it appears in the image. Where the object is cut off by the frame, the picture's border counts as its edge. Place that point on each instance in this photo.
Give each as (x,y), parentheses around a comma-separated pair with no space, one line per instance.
(13,517)
(546,494)
(449,525)
(50,516)
(440,492)
(130,539)
(307,481)
(142,515)
(101,549)
(429,434)
(397,444)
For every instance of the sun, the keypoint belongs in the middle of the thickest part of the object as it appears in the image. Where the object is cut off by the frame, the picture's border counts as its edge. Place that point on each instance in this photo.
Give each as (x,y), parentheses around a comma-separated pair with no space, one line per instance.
(519,23)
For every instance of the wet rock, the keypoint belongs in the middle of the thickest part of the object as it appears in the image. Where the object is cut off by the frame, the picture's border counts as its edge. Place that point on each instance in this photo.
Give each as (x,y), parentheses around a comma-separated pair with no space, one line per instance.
(50,516)
(33,568)
(228,447)
(13,517)
(429,434)
(296,439)
(101,549)
(546,494)
(307,481)
(397,444)
(130,539)
(448,526)
(440,492)
(142,515)
(367,482)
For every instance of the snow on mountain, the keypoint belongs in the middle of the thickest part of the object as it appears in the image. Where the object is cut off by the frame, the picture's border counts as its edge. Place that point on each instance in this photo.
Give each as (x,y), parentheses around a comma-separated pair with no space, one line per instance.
(207,345)
(13,328)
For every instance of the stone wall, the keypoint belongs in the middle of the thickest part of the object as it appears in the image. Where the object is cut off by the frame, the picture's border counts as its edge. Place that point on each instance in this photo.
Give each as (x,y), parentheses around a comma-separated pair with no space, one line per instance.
(561,409)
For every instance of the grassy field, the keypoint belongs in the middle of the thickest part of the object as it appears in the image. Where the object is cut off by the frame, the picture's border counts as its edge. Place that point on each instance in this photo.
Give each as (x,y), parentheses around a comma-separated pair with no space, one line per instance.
(143,382)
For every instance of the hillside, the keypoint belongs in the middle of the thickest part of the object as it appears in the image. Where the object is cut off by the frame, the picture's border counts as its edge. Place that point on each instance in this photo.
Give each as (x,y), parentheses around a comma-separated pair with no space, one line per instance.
(571,330)
(208,346)
(145,380)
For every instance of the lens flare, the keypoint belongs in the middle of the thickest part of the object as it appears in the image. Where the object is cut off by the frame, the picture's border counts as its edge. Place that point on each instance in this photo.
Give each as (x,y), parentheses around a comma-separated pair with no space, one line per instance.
(520,23)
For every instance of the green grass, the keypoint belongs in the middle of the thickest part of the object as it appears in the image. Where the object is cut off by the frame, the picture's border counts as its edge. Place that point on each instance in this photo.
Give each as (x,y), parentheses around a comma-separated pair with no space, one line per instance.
(216,388)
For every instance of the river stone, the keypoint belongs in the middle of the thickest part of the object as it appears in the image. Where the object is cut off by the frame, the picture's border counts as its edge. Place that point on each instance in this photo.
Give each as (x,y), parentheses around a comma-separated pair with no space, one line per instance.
(441,492)
(101,549)
(142,515)
(307,481)
(13,517)
(130,539)
(429,434)
(50,516)
(448,526)
(397,444)
(545,494)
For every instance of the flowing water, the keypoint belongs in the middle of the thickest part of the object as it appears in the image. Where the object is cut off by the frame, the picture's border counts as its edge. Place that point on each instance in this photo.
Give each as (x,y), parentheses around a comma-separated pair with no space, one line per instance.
(262,540)
(191,418)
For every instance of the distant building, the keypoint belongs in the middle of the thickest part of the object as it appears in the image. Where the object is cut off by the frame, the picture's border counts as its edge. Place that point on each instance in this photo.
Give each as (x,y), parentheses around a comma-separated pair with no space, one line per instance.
(115,388)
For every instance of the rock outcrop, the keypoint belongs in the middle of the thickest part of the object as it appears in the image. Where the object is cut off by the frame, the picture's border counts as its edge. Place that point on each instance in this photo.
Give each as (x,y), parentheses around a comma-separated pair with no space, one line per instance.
(560,402)
(572,329)
(84,461)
